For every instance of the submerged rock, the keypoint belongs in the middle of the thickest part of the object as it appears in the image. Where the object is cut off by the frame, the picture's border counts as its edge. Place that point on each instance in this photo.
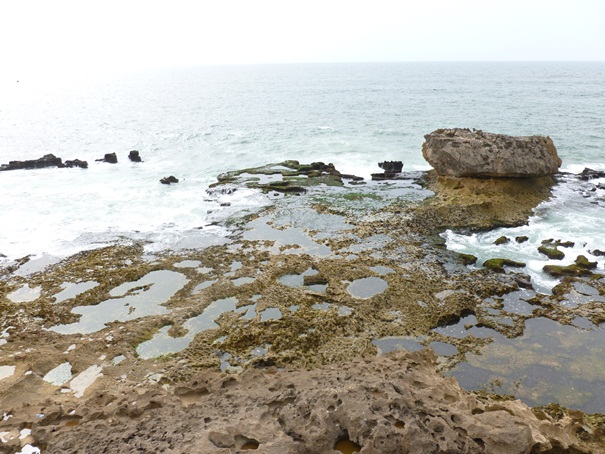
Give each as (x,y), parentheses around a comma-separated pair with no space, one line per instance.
(471,153)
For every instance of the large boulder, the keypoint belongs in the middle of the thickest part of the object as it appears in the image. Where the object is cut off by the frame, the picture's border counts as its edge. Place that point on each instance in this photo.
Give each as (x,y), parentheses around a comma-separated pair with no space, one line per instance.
(472,153)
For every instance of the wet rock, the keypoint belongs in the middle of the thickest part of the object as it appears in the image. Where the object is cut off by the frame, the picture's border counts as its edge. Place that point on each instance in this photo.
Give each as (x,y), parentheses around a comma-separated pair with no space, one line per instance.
(392,171)
(391,166)
(467,259)
(111,158)
(590,174)
(502,240)
(521,239)
(581,267)
(471,153)
(583,262)
(76,163)
(598,253)
(48,160)
(561,243)
(169,180)
(551,252)
(284,177)
(497,265)
(481,203)
(134,156)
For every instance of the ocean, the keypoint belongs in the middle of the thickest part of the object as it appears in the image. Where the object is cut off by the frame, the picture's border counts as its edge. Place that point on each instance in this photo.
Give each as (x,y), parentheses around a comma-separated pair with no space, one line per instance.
(195,123)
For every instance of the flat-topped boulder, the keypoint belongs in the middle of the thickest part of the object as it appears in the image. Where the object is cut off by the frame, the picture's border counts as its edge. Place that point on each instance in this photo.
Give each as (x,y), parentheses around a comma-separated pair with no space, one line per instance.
(461,152)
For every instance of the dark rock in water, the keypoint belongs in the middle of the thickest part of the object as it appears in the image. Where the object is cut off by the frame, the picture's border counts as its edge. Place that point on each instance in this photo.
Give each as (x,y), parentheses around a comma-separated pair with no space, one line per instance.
(392,170)
(134,156)
(76,163)
(502,240)
(590,174)
(598,253)
(471,153)
(497,265)
(48,160)
(110,158)
(521,239)
(391,166)
(169,180)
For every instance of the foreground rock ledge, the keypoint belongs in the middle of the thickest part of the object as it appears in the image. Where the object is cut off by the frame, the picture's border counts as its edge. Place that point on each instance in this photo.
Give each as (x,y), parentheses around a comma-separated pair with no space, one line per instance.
(472,153)
(395,403)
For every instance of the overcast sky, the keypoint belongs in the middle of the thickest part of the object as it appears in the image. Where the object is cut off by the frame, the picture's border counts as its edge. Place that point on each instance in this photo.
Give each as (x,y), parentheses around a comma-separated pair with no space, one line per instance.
(125,34)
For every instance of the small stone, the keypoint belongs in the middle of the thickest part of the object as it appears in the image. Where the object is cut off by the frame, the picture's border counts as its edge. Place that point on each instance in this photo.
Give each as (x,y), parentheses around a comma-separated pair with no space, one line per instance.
(169,180)
(521,239)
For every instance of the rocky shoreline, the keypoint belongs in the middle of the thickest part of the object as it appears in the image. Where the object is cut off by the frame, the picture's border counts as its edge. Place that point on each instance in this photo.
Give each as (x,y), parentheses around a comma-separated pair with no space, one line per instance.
(270,341)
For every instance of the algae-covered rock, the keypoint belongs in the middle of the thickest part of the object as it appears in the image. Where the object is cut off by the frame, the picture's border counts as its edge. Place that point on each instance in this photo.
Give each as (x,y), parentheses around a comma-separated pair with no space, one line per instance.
(521,239)
(502,240)
(551,252)
(583,262)
(570,270)
(498,264)
(467,259)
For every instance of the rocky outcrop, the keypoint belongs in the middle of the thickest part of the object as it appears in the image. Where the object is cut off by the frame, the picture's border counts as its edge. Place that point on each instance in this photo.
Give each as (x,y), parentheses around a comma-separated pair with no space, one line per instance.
(169,180)
(472,153)
(134,156)
(48,160)
(75,163)
(110,158)
(392,171)
(391,166)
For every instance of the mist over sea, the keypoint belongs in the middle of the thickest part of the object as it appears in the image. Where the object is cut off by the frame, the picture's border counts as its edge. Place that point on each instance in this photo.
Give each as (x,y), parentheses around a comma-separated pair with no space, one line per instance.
(195,123)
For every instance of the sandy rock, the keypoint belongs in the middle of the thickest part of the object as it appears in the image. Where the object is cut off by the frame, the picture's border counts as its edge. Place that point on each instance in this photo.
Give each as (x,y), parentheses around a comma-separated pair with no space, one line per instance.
(395,403)
(465,153)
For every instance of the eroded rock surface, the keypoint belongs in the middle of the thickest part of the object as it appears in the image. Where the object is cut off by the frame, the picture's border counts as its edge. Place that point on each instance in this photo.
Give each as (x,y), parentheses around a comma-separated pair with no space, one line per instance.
(471,153)
(390,404)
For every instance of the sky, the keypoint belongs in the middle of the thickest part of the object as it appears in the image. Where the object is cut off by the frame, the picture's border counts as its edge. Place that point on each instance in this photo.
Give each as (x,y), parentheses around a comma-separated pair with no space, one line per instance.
(93,35)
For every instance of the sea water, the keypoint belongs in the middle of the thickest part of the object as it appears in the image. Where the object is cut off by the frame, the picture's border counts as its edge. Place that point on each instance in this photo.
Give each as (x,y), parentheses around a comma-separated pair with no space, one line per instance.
(195,123)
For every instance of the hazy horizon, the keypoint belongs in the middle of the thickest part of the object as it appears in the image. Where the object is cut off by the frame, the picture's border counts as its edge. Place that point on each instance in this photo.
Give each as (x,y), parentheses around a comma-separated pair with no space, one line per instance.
(88,37)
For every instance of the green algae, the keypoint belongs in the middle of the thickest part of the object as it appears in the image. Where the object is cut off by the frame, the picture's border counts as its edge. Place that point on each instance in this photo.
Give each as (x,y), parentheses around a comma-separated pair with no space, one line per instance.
(552,253)
(497,265)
